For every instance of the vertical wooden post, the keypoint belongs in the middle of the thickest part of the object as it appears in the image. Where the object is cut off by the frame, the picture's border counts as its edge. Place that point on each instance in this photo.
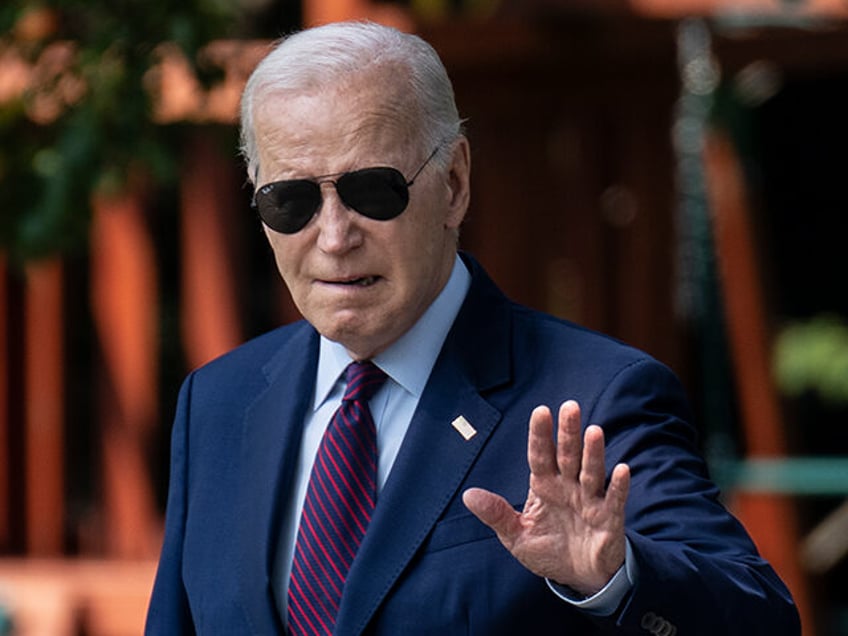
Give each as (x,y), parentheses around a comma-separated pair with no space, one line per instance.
(209,317)
(124,307)
(771,519)
(44,411)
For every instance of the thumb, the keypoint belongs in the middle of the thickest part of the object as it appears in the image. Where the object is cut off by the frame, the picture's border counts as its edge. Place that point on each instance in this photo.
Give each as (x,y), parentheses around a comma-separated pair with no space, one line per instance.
(494,511)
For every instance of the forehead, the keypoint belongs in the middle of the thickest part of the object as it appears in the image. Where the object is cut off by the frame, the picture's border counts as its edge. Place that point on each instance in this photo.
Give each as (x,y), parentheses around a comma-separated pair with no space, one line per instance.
(333,129)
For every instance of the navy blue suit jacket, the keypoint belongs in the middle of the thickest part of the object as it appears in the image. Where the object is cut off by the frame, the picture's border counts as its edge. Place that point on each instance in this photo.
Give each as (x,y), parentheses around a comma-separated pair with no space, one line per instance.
(427,566)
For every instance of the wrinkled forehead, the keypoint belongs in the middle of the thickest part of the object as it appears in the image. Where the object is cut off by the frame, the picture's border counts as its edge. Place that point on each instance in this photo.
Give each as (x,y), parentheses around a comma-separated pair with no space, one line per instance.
(369,105)
(333,129)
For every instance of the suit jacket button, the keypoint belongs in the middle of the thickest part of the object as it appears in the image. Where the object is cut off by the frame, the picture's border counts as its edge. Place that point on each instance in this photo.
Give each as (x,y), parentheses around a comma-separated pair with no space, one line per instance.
(657,625)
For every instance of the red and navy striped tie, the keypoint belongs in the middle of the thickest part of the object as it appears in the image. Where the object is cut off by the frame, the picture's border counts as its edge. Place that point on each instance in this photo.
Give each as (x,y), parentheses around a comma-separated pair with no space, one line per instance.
(339,501)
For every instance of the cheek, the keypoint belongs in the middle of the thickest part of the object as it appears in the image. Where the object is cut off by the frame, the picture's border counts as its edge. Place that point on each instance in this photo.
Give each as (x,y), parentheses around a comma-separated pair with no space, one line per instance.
(425,241)
(420,229)
(285,255)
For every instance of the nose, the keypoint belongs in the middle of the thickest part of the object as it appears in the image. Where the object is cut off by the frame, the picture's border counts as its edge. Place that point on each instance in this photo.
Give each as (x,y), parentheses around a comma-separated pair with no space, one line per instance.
(338,228)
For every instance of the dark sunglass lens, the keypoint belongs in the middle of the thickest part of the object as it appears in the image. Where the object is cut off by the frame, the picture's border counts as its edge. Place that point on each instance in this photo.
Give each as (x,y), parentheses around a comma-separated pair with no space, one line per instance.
(287,206)
(378,193)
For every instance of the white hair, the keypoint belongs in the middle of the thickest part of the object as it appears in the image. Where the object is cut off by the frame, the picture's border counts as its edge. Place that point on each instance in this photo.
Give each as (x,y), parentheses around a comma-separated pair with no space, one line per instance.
(329,55)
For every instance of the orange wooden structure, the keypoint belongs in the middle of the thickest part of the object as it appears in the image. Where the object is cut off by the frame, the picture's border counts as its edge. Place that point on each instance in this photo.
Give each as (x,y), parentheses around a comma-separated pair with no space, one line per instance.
(770,518)
(124,303)
(210,324)
(44,413)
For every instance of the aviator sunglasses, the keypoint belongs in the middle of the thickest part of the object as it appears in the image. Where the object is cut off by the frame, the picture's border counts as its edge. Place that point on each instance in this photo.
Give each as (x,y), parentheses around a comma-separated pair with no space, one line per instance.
(379,193)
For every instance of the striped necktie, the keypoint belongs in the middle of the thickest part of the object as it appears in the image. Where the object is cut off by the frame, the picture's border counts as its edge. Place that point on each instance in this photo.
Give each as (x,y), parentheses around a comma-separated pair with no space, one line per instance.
(340,498)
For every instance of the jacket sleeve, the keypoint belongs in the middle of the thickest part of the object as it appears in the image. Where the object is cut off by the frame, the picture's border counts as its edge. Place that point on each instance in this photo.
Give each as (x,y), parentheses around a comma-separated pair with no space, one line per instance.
(698,570)
(169,611)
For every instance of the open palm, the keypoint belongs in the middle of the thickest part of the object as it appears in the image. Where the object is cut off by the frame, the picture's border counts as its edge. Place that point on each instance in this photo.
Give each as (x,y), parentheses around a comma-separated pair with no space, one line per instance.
(571,529)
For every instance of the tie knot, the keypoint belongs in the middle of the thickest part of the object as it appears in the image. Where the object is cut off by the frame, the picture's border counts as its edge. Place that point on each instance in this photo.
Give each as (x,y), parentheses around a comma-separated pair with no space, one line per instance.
(363,380)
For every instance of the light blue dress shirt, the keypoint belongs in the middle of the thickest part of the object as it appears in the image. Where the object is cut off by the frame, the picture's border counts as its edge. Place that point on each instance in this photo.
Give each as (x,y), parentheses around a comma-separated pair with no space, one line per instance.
(407,363)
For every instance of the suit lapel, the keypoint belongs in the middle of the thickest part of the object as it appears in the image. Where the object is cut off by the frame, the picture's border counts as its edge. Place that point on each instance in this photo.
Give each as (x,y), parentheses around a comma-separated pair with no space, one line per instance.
(270,445)
(434,458)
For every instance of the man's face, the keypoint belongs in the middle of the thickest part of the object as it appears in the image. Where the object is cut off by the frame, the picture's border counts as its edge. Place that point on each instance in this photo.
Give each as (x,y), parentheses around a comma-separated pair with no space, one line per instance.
(359,281)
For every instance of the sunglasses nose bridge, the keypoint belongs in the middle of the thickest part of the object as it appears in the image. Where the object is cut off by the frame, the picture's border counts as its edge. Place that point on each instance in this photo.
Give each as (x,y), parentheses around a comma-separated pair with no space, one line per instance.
(338,230)
(328,187)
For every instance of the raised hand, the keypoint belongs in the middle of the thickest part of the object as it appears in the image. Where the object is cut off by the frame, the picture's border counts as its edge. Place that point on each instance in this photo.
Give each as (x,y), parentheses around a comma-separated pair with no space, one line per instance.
(571,530)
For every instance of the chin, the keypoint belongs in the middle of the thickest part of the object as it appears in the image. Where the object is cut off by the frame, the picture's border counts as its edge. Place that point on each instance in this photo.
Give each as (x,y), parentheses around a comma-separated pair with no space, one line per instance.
(347,334)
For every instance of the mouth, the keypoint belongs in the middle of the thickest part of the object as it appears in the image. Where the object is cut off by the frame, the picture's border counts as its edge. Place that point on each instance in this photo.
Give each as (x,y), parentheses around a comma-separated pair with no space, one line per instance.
(363,281)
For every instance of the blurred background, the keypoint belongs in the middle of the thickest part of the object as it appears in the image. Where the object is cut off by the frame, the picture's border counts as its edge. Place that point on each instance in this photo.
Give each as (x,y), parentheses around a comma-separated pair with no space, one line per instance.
(671,172)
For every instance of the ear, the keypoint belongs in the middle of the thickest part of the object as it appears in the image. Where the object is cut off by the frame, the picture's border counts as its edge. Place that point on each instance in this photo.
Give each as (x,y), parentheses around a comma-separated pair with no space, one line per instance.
(459,183)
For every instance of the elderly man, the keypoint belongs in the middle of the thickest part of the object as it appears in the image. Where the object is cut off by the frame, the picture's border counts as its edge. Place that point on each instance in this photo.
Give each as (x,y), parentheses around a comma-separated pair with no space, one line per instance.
(366,471)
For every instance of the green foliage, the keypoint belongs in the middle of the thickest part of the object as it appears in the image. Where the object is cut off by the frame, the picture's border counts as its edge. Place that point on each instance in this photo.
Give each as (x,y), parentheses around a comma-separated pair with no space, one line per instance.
(99,128)
(813,356)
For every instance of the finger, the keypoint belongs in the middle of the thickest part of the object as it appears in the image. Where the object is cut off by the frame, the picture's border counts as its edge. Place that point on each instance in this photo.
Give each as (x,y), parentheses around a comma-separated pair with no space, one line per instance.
(592,468)
(569,444)
(618,489)
(541,453)
(495,512)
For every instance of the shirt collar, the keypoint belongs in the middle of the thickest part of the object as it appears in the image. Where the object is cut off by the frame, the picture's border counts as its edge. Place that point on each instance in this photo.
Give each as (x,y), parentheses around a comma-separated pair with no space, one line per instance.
(410,359)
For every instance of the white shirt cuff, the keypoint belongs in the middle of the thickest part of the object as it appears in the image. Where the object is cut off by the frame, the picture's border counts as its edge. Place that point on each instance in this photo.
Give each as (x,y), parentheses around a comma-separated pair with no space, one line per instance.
(607,600)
